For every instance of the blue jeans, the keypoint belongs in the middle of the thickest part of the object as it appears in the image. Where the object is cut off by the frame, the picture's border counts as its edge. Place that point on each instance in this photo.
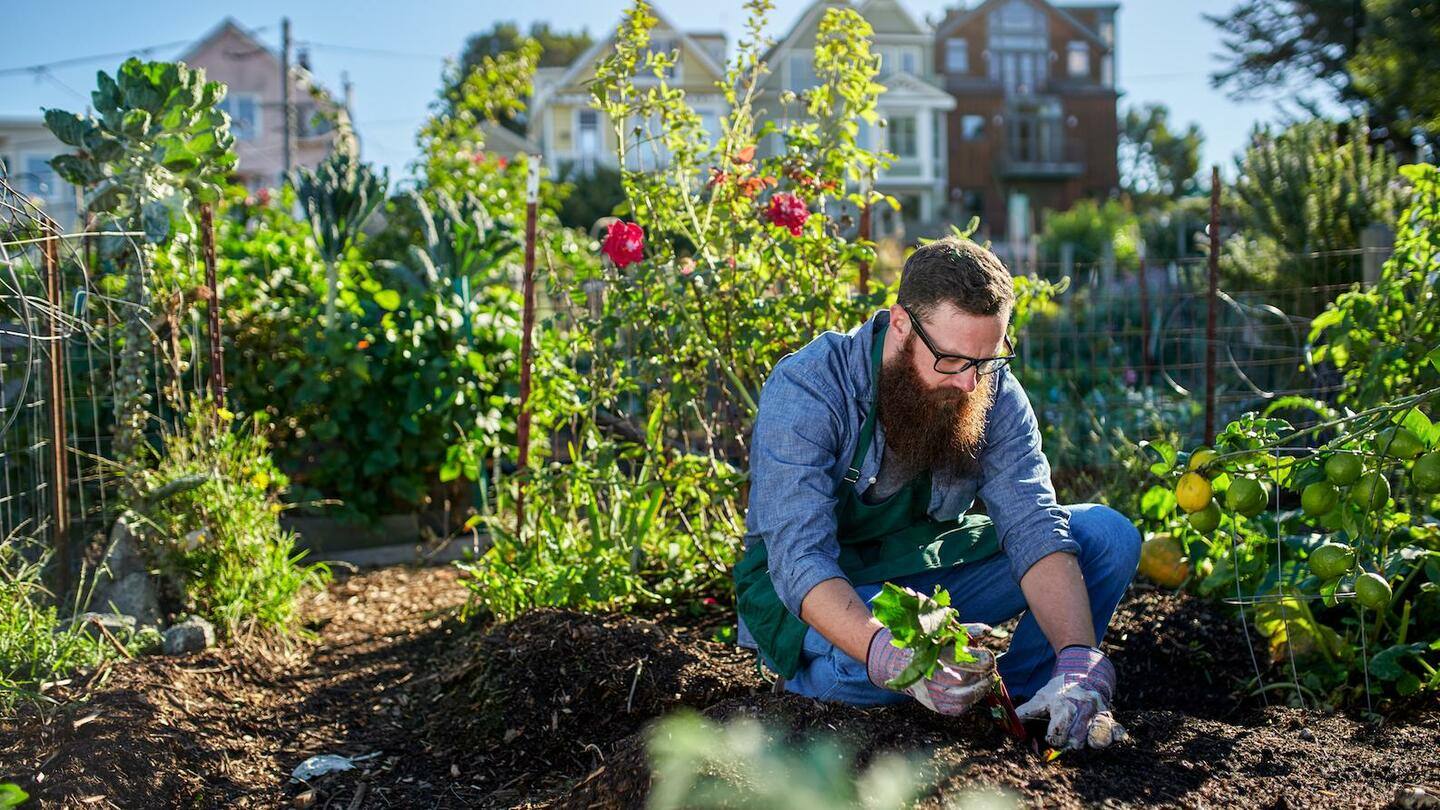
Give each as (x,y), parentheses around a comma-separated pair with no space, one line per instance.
(986,592)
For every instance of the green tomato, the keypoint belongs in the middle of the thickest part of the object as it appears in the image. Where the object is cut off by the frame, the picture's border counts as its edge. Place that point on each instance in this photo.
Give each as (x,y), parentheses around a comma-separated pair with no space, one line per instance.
(1246,496)
(1371,491)
(1399,442)
(1372,591)
(1319,498)
(1342,469)
(1426,473)
(1331,560)
(1207,520)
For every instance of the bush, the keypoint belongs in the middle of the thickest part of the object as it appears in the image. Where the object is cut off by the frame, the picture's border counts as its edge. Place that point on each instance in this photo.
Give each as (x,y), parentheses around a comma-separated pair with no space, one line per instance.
(211,507)
(36,644)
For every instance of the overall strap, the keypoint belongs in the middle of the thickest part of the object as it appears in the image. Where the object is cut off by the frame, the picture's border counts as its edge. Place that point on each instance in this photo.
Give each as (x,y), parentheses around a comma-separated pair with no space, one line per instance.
(867,428)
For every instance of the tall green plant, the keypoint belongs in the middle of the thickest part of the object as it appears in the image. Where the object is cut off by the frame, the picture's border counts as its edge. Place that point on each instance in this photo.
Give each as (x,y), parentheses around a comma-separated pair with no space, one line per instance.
(1303,197)
(155,141)
(338,197)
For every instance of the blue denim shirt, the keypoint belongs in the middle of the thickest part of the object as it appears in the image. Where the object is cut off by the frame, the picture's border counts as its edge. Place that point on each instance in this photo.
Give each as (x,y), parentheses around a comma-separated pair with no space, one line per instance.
(805,434)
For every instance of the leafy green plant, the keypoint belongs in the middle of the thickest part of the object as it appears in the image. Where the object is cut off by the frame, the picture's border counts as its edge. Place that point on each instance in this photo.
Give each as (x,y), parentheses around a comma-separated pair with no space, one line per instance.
(926,625)
(155,141)
(1379,337)
(698,763)
(1355,573)
(210,507)
(11,795)
(1303,196)
(338,197)
(36,643)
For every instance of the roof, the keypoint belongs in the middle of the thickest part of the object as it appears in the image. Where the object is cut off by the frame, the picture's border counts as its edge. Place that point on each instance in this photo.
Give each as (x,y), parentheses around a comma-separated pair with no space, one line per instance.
(901,86)
(688,45)
(808,18)
(230,25)
(958,18)
(499,138)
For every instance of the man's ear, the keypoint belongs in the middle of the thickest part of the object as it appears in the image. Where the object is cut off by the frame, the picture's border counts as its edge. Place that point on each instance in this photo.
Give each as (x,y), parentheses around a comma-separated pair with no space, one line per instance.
(900,320)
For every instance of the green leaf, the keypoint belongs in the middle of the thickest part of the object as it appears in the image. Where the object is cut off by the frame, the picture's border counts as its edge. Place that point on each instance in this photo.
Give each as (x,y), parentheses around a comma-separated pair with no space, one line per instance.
(1165,451)
(389,299)
(1157,503)
(76,170)
(1385,664)
(70,128)
(1434,357)
(11,795)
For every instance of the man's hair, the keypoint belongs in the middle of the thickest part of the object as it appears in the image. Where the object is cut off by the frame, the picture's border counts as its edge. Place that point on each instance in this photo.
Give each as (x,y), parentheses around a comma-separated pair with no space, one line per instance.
(956,271)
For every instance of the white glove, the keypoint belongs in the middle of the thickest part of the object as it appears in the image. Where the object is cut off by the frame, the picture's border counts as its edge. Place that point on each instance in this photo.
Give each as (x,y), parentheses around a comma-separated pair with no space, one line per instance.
(1077,699)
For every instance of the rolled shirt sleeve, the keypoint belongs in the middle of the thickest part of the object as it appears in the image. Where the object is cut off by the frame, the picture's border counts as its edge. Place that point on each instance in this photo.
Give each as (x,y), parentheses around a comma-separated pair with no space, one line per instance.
(792,485)
(1015,483)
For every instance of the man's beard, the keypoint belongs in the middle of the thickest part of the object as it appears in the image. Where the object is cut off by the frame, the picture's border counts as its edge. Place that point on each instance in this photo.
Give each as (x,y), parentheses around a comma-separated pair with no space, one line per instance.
(942,430)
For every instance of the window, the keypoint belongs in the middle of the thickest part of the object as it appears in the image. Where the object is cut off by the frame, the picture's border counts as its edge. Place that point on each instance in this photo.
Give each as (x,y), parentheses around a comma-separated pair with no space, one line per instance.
(587,139)
(646,151)
(802,72)
(710,122)
(972,127)
(1077,58)
(902,137)
(910,61)
(37,179)
(244,112)
(1018,44)
(664,46)
(957,56)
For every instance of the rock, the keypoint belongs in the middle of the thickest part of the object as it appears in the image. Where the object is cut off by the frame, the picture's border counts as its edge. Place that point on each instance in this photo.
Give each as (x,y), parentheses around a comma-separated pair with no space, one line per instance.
(192,635)
(1414,797)
(123,583)
(119,625)
(1307,735)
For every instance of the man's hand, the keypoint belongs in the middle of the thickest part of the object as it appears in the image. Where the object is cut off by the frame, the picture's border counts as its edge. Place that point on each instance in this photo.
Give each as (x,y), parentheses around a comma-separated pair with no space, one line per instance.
(1077,700)
(952,689)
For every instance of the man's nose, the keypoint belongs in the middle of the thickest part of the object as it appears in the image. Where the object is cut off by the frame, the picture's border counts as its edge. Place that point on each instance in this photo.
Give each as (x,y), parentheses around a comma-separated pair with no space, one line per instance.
(965,380)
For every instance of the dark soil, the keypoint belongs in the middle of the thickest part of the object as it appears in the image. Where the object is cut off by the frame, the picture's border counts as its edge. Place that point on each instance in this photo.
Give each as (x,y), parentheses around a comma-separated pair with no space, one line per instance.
(551,710)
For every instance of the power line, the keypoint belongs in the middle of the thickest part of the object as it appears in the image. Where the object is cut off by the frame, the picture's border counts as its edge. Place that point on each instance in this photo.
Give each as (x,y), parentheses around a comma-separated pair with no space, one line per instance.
(325,46)
(100,57)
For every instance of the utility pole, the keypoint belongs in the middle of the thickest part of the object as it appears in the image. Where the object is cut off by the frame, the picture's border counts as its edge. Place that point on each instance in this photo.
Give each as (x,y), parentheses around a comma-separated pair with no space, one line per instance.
(285,94)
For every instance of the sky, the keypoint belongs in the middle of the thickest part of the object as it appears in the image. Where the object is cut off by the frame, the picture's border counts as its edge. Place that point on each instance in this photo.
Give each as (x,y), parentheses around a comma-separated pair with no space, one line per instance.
(393,52)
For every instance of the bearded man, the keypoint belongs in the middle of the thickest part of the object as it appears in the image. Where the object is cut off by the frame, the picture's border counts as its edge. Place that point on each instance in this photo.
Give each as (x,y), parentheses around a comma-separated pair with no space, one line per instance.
(867,453)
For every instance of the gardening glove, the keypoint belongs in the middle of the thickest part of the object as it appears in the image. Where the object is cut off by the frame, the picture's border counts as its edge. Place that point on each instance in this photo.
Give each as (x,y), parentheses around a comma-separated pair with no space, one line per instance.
(952,689)
(1077,700)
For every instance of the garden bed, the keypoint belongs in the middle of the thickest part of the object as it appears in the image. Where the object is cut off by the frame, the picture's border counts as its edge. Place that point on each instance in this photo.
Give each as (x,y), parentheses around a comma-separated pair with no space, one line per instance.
(549,710)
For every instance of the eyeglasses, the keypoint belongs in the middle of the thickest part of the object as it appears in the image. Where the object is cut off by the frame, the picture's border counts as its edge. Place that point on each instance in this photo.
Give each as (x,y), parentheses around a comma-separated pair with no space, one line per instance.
(959,363)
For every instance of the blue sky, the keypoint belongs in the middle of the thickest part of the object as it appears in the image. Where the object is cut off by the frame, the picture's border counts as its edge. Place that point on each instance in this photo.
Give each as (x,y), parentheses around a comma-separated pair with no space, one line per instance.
(393,51)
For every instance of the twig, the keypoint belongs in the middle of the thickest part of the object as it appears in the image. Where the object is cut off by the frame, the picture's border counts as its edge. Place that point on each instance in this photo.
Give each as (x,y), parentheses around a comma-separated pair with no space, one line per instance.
(105,631)
(634,682)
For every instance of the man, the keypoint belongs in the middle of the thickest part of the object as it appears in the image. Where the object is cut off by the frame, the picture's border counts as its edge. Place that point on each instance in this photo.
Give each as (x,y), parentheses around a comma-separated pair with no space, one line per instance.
(867,451)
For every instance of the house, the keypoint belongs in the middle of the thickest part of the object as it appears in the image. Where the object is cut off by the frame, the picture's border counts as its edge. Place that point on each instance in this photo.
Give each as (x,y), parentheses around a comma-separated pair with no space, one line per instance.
(1034,125)
(26,148)
(232,55)
(913,107)
(576,139)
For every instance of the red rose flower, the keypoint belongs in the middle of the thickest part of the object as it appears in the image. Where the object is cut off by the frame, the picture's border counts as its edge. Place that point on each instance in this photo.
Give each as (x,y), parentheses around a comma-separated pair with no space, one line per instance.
(263,196)
(788,211)
(503,161)
(624,243)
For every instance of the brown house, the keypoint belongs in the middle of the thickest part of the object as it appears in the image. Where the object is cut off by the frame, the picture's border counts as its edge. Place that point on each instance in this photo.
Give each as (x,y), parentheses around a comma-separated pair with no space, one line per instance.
(1034,126)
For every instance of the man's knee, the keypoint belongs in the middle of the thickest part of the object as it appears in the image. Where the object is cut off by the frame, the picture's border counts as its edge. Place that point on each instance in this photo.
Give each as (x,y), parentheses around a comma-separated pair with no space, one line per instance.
(1106,537)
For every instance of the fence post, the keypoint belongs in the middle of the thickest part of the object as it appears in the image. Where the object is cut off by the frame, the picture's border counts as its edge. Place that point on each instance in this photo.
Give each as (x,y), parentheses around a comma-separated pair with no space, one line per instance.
(1212,302)
(522,422)
(1377,242)
(60,483)
(865,232)
(217,357)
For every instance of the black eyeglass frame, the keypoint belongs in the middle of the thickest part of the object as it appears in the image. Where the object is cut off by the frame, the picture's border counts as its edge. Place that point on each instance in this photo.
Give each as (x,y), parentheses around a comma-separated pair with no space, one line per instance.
(969,361)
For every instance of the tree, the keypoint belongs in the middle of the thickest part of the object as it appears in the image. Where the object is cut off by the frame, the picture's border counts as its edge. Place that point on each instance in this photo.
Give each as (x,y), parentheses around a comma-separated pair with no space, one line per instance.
(557,49)
(1374,56)
(1304,195)
(1156,163)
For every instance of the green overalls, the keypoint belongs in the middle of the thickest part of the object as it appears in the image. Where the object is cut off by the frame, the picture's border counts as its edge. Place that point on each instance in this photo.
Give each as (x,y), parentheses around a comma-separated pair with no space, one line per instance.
(878,542)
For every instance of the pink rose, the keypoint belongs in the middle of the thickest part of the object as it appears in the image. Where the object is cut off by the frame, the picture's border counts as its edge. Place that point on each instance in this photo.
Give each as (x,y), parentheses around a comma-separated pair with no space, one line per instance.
(624,243)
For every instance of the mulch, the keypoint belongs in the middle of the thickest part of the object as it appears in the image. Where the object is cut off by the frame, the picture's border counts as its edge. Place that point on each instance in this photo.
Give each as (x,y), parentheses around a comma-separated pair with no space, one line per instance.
(552,710)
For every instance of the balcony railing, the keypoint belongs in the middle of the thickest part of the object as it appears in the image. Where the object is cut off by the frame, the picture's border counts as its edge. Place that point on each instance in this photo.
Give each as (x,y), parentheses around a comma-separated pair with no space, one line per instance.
(1038,149)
